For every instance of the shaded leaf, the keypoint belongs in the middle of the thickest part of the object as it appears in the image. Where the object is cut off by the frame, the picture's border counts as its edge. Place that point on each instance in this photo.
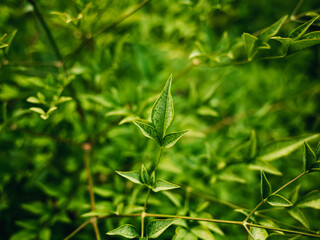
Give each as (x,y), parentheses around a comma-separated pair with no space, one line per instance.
(301,44)
(162,111)
(266,189)
(148,130)
(311,200)
(249,43)
(315,167)
(309,158)
(127,231)
(272,30)
(278,201)
(298,32)
(183,234)
(252,149)
(318,152)
(312,35)
(144,175)
(162,185)
(156,227)
(297,214)
(133,176)
(171,138)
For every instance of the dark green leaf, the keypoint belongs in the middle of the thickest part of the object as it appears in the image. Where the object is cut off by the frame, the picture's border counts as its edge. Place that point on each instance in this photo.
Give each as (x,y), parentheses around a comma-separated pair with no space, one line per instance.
(171,138)
(156,227)
(297,214)
(148,130)
(312,35)
(127,231)
(309,158)
(315,167)
(162,185)
(133,176)
(272,30)
(298,32)
(162,111)
(266,189)
(301,44)
(278,201)
(318,152)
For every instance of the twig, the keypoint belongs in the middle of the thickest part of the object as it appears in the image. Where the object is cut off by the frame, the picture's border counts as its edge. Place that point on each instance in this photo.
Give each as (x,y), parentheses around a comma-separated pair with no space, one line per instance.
(77,230)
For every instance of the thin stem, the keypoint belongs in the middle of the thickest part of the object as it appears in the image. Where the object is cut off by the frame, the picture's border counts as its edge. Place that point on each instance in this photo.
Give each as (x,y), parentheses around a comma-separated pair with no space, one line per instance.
(288,183)
(46,29)
(255,209)
(107,28)
(295,10)
(95,227)
(77,230)
(248,231)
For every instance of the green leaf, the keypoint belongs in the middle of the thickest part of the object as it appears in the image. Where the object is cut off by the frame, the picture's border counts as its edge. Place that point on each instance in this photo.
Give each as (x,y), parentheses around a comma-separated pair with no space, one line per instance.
(272,30)
(318,152)
(298,32)
(162,185)
(156,227)
(148,130)
(33,100)
(259,233)
(249,43)
(309,158)
(171,138)
(312,35)
(144,175)
(127,231)
(38,110)
(153,178)
(35,207)
(266,189)
(315,167)
(297,214)
(162,111)
(202,233)
(252,149)
(278,201)
(133,176)
(286,148)
(301,44)
(183,234)
(311,200)
(266,167)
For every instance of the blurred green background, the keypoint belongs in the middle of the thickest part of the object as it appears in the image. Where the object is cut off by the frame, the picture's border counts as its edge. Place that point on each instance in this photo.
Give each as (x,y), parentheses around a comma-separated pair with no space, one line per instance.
(114,78)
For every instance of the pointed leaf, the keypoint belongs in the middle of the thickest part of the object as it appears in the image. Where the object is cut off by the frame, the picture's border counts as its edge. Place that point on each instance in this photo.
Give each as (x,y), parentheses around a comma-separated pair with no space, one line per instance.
(133,176)
(148,130)
(127,231)
(171,138)
(144,175)
(298,32)
(202,233)
(33,100)
(301,44)
(318,152)
(259,233)
(162,185)
(162,111)
(153,178)
(38,110)
(249,43)
(278,201)
(183,234)
(272,30)
(252,149)
(311,200)
(315,167)
(309,158)
(156,227)
(266,189)
(312,35)
(297,214)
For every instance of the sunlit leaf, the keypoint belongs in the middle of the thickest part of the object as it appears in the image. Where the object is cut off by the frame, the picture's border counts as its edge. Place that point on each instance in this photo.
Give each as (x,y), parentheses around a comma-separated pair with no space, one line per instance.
(297,214)
(133,176)
(311,200)
(259,233)
(278,201)
(156,227)
(127,231)
(171,138)
(202,233)
(144,175)
(162,185)
(162,111)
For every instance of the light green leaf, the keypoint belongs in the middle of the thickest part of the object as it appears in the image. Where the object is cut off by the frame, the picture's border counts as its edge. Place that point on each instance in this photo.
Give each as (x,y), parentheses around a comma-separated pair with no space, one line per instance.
(33,100)
(183,234)
(148,130)
(96,214)
(311,200)
(266,189)
(278,201)
(38,110)
(259,233)
(51,109)
(272,30)
(212,226)
(156,227)
(297,214)
(64,99)
(162,185)
(249,43)
(252,149)
(207,111)
(309,158)
(266,167)
(284,150)
(133,176)
(127,231)
(171,138)
(202,233)
(144,175)
(162,111)
(298,32)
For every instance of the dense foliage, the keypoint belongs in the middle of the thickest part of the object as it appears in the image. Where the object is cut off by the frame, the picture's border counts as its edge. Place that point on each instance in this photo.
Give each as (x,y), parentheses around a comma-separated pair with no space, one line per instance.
(234,129)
